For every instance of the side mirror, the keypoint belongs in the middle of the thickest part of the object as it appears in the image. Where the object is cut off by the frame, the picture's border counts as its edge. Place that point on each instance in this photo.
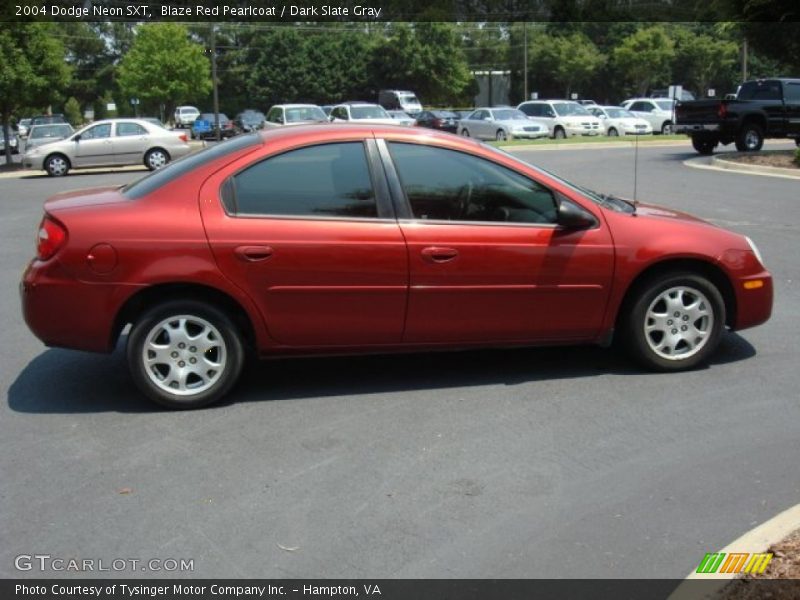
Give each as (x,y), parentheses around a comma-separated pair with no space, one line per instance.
(280,119)
(573,217)
(77,138)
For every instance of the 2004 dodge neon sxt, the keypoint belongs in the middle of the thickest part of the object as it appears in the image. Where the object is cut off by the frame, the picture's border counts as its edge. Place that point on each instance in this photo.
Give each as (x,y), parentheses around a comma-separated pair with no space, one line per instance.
(345,239)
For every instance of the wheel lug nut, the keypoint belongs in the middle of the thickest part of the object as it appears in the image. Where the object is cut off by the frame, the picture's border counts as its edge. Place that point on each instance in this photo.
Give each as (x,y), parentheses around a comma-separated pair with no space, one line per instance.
(193,360)
(181,345)
(192,349)
(669,321)
(674,331)
(684,328)
(677,314)
(174,355)
(181,364)
(685,317)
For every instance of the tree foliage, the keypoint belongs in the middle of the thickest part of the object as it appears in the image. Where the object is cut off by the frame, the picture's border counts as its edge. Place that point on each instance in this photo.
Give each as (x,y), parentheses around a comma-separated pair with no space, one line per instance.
(643,59)
(32,69)
(163,66)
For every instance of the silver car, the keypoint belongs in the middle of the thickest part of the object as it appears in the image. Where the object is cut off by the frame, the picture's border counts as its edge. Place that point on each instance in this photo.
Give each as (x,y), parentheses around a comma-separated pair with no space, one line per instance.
(501,124)
(113,142)
(44,134)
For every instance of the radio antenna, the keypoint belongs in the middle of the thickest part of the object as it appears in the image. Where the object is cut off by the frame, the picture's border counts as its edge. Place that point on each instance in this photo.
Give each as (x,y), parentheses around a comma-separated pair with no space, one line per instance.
(635,167)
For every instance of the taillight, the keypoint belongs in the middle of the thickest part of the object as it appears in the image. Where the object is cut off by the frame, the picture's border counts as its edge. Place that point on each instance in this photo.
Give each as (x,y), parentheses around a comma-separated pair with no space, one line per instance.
(437,122)
(50,238)
(182,137)
(722,111)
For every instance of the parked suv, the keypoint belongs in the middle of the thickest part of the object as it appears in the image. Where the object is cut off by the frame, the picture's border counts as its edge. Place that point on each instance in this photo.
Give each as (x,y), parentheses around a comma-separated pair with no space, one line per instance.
(295,114)
(361,112)
(656,111)
(563,117)
(185,116)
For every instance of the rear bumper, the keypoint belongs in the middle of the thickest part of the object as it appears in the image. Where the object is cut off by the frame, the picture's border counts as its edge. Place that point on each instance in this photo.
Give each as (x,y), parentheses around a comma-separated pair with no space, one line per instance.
(67,313)
(696,127)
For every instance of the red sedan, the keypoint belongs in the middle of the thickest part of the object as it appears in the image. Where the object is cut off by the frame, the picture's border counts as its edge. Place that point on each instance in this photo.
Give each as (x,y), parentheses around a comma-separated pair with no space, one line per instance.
(348,239)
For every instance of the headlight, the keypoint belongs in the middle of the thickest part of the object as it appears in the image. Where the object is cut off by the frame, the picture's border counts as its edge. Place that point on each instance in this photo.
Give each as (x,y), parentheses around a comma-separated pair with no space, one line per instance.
(755,250)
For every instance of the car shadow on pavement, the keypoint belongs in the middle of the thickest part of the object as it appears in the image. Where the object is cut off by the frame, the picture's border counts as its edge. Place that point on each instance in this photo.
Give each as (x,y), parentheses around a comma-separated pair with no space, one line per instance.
(62,381)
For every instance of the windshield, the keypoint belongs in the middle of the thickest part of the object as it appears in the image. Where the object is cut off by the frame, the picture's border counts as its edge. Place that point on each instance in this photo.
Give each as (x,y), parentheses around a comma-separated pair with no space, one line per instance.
(611,202)
(408,99)
(49,131)
(252,118)
(223,118)
(155,179)
(510,114)
(664,104)
(619,113)
(305,113)
(368,112)
(570,109)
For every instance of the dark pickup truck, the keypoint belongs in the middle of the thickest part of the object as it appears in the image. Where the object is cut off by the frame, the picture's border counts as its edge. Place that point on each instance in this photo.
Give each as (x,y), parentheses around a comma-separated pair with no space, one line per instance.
(766,108)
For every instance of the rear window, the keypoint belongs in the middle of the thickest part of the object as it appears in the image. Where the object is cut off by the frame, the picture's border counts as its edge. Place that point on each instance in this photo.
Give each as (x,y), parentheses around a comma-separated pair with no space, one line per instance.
(760,90)
(155,179)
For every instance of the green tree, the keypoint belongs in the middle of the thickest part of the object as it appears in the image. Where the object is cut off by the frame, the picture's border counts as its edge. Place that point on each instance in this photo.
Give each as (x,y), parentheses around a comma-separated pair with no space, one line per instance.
(72,112)
(572,59)
(704,60)
(163,66)
(32,70)
(644,58)
(426,58)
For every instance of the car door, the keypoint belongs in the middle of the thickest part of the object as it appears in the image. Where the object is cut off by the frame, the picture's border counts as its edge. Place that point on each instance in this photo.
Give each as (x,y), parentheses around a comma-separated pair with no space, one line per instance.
(130,141)
(487,261)
(94,147)
(309,233)
(791,96)
(480,123)
(644,109)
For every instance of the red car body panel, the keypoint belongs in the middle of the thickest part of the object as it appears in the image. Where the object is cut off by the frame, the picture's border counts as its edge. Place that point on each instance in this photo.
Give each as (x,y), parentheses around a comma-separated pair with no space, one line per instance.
(350,285)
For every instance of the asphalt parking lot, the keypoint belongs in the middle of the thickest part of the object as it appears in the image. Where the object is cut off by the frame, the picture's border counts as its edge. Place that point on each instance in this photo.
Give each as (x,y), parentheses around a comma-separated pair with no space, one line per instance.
(539,463)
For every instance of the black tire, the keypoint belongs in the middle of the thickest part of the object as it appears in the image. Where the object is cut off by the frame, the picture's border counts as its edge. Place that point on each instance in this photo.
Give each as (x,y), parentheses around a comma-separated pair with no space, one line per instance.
(649,301)
(225,345)
(704,146)
(156,158)
(797,142)
(464,132)
(57,165)
(666,128)
(612,132)
(750,138)
(501,135)
(559,133)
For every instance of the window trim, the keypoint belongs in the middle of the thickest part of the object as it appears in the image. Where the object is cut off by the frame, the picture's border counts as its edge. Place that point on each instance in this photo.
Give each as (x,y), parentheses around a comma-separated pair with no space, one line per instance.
(405,214)
(380,188)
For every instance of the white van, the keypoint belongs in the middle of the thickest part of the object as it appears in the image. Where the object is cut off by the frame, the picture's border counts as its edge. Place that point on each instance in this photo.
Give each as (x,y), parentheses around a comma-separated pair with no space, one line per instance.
(185,116)
(400,100)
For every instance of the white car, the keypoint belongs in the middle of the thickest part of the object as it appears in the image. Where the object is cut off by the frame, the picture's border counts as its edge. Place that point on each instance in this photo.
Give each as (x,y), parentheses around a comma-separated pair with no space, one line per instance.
(656,111)
(294,114)
(361,112)
(109,143)
(618,121)
(402,118)
(564,118)
(185,116)
(501,124)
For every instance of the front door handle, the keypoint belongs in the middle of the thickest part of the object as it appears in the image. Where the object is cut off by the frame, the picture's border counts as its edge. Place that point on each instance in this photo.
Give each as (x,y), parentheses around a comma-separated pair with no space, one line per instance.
(253,253)
(438,254)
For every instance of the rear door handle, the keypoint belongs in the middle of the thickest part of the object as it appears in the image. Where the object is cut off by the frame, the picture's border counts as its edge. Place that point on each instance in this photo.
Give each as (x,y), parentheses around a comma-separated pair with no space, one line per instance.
(438,254)
(253,253)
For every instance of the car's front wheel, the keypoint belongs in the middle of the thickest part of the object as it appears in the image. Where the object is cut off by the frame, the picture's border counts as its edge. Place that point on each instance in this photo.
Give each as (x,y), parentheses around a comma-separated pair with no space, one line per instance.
(612,132)
(666,128)
(156,158)
(465,133)
(185,354)
(501,135)
(750,138)
(559,133)
(56,165)
(675,321)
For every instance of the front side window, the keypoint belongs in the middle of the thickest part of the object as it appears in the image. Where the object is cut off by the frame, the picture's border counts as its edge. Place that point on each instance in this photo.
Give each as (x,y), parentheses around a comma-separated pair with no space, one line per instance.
(275,115)
(97,132)
(330,180)
(446,185)
(368,112)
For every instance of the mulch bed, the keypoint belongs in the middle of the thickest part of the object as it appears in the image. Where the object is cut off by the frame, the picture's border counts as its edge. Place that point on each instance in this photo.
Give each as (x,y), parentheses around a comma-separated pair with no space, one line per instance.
(785,159)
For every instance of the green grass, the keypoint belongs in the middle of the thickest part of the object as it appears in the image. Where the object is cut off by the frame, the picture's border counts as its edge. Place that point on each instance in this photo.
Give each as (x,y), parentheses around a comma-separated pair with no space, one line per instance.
(797,156)
(648,139)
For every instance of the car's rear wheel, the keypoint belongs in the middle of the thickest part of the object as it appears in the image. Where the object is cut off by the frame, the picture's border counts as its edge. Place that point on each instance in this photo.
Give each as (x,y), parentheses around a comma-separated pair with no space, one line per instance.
(501,135)
(559,133)
(465,133)
(666,128)
(612,132)
(156,158)
(704,146)
(185,354)
(750,138)
(56,165)
(675,321)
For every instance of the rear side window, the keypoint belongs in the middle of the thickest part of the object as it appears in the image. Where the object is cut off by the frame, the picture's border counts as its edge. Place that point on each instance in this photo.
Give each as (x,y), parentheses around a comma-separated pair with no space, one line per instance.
(330,180)
(760,90)
(125,129)
(792,92)
(446,185)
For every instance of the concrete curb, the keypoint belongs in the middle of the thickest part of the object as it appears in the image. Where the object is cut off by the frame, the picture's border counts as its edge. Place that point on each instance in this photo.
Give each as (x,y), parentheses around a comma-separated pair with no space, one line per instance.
(729,165)
(758,539)
(590,145)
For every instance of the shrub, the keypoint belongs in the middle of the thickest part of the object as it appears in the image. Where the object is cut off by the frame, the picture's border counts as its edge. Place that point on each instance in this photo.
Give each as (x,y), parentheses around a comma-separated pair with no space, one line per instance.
(72,112)
(797,156)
